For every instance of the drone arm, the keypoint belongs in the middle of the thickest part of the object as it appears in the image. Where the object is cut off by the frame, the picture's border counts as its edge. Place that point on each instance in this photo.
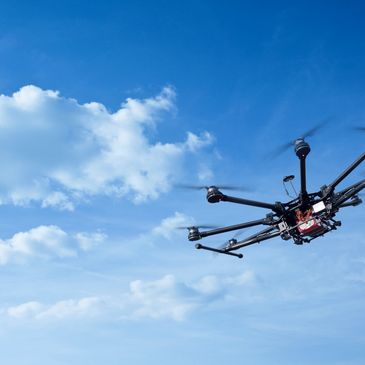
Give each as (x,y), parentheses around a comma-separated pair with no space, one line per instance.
(264,235)
(350,203)
(348,193)
(256,238)
(253,203)
(331,187)
(350,188)
(267,220)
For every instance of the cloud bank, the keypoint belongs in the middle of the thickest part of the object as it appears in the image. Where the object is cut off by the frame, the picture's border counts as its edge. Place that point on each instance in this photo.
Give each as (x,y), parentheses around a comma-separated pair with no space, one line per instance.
(57,151)
(162,299)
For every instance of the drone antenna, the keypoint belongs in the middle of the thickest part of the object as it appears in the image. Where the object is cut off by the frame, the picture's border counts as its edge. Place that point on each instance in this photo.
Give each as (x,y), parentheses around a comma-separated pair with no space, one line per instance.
(286,190)
(291,183)
(289,179)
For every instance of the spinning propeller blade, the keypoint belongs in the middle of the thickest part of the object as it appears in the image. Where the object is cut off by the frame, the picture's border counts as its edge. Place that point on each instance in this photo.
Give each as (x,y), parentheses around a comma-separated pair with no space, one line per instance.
(226,244)
(202,226)
(280,150)
(313,131)
(309,133)
(358,129)
(223,187)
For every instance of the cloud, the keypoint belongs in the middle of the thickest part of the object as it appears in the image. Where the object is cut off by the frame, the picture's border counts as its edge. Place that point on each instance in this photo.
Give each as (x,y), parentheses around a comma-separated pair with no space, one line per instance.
(213,284)
(168,226)
(88,241)
(46,242)
(57,151)
(24,310)
(162,299)
(194,143)
(88,306)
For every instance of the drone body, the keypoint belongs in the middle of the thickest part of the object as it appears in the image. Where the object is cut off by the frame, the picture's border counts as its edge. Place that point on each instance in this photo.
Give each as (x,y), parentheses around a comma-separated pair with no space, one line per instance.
(308,216)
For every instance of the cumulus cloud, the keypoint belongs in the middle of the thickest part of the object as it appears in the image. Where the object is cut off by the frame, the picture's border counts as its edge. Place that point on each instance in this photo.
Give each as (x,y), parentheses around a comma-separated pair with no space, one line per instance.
(46,242)
(162,299)
(57,151)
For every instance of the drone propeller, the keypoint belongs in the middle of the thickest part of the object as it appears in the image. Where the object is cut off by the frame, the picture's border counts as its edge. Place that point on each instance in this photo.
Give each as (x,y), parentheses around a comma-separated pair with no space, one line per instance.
(230,241)
(202,226)
(223,187)
(358,129)
(309,133)
(313,131)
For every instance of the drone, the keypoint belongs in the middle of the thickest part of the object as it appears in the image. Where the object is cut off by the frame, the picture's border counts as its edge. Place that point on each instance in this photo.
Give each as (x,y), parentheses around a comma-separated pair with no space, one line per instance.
(302,219)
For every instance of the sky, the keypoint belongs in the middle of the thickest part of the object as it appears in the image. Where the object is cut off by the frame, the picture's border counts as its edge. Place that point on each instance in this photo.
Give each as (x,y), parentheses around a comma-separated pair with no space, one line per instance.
(106,108)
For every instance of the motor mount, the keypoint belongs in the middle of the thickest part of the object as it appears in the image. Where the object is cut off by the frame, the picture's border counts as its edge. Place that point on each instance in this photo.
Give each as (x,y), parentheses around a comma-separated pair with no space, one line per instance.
(194,234)
(214,195)
(231,242)
(301,148)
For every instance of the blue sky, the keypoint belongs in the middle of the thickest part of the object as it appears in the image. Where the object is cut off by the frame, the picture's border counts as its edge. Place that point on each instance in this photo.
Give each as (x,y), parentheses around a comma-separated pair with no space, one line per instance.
(104,108)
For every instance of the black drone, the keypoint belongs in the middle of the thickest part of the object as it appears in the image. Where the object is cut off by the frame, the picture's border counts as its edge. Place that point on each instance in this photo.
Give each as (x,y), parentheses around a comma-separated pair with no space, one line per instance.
(303,219)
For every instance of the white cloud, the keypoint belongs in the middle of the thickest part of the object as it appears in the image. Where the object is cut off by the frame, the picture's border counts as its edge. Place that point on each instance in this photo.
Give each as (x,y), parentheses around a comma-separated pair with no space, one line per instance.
(213,284)
(208,285)
(57,151)
(164,298)
(57,199)
(195,143)
(88,241)
(205,173)
(25,310)
(169,225)
(46,242)
(88,306)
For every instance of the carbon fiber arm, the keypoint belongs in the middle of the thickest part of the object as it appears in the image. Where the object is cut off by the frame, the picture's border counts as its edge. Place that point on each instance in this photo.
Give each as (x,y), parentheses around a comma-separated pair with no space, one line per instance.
(263,235)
